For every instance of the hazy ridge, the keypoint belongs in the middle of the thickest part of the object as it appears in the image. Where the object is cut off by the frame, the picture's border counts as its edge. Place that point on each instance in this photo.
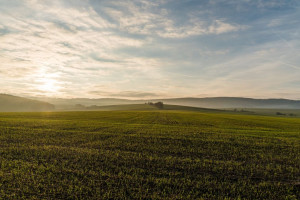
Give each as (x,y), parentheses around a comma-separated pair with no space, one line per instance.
(14,103)
(234,102)
(209,102)
(9,103)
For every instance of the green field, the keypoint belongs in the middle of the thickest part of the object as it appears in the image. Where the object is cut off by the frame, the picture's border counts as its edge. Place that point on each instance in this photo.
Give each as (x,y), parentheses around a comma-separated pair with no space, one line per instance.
(148,155)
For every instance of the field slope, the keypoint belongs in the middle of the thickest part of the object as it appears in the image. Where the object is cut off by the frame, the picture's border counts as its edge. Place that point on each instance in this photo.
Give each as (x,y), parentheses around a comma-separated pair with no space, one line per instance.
(148,155)
(10,103)
(144,107)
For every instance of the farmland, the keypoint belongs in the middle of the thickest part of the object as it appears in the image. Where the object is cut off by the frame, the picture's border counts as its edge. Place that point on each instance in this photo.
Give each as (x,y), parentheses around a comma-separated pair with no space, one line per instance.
(149,154)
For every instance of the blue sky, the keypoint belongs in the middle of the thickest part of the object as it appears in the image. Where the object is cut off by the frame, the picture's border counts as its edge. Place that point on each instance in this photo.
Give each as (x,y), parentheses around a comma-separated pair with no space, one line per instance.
(150,49)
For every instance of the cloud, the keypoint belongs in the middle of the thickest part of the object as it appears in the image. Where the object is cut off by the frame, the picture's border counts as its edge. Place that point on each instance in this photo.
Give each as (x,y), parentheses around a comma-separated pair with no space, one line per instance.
(261,73)
(164,47)
(135,94)
(151,20)
(62,40)
(127,94)
(220,27)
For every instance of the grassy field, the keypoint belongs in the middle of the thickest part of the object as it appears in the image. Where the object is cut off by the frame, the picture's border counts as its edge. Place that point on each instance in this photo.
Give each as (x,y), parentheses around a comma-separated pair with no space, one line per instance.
(148,155)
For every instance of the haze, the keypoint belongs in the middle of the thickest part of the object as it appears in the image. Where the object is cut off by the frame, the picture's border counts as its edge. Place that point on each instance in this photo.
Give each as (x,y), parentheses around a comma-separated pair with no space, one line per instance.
(140,49)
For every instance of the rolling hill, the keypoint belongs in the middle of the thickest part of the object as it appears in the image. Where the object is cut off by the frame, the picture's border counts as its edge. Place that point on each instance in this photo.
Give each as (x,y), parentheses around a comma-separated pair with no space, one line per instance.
(77,103)
(14,103)
(147,107)
(210,102)
(233,102)
(9,103)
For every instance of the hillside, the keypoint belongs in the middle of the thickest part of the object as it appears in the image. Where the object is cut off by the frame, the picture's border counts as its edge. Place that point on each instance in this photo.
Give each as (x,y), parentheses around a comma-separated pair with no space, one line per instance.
(9,103)
(168,107)
(76,103)
(210,102)
(233,102)
(150,107)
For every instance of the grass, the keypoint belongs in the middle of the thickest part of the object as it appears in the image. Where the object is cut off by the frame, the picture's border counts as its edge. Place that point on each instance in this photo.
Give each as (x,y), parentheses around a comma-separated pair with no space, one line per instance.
(148,155)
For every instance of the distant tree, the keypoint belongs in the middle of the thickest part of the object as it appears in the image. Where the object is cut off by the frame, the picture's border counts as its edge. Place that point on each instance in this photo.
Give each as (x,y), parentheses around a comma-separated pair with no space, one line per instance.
(279,113)
(79,106)
(159,105)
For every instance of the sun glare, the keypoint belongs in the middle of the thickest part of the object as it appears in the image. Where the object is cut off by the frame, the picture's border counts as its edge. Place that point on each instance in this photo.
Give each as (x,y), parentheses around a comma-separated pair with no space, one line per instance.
(48,85)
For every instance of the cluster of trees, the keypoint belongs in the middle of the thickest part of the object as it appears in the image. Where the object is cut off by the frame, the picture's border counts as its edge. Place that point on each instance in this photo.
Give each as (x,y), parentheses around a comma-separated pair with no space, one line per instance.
(159,105)
(279,113)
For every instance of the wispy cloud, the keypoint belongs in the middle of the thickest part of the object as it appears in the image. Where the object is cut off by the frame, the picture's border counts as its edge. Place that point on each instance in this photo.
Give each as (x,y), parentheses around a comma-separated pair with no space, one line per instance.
(126,94)
(145,48)
(151,19)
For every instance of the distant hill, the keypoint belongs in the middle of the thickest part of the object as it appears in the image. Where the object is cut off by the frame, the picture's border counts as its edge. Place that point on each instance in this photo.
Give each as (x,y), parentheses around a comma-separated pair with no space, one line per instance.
(122,107)
(9,103)
(211,102)
(77,103)
(234,102)
(149,107)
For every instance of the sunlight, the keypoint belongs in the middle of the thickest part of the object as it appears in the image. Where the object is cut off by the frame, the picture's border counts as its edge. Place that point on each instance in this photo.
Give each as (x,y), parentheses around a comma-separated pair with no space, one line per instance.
(47,82)
(48,85)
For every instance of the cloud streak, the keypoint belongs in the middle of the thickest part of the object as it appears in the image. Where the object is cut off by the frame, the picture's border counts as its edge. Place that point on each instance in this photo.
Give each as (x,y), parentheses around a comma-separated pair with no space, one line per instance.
(161,48)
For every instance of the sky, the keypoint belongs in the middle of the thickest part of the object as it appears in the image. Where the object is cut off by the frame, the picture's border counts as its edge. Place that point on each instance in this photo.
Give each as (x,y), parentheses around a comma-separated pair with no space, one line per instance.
(139,49)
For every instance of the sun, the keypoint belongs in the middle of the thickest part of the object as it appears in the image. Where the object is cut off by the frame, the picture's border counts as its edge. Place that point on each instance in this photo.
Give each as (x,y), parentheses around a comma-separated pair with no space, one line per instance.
(48,85)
